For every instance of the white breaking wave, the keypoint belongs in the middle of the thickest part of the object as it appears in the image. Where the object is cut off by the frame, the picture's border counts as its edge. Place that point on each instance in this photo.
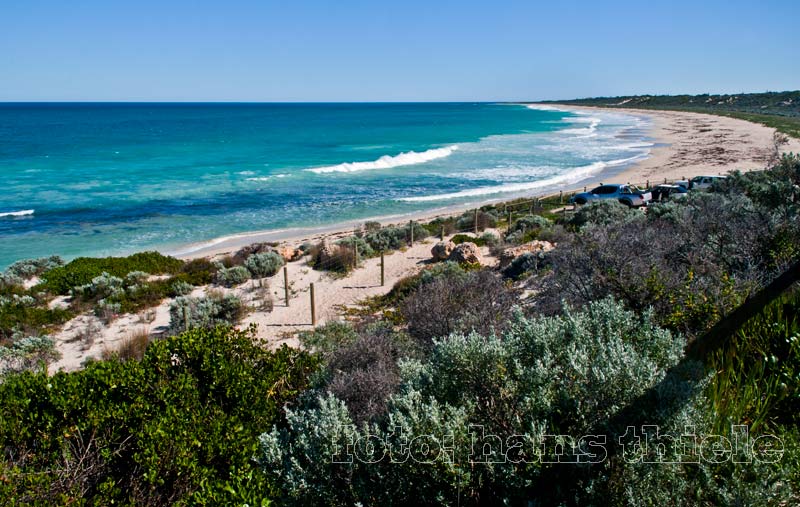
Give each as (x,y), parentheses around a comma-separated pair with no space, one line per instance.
(568,178)
(388,161)
(20,213)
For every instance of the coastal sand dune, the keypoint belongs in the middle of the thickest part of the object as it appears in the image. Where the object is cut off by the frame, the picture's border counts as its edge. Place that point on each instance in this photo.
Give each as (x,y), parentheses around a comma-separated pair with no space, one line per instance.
(688,144)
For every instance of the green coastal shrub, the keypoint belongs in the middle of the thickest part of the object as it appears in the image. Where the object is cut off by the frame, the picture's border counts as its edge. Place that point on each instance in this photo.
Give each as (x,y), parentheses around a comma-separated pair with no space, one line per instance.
(602,212)
(26,269)
(198,272)
(230,277)
(19,317)
(530,223)
(27,353)
(179,427)
(386,239)
(559,375)
(207,312)
(102,286)
(263,265)
(525,263)
(477,301)
(180,288)
(360,244)
(81,271)
(486,220)
(466,238)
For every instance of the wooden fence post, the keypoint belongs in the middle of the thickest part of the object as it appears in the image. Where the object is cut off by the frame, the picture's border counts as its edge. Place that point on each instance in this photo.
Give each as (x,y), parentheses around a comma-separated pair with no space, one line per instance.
(313,309)
(355,255)
(411,228)
(561,197)
(383,268)
(441,235)
(476,221)
(286,284)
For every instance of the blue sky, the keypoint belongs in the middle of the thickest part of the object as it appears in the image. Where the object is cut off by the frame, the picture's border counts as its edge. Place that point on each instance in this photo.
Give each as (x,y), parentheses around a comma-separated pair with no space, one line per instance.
(400,51)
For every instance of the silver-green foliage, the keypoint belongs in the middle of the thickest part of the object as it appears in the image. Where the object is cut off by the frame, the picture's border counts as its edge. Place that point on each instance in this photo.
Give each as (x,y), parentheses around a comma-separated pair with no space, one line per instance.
(232,276)
(564,373)
(206,312)
(262,265)
(101,287)
(22,270)
(27,353)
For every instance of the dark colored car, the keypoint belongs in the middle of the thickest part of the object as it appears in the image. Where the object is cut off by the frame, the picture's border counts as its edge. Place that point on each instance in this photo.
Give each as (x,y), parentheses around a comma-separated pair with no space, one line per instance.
(667,192)
(628,195)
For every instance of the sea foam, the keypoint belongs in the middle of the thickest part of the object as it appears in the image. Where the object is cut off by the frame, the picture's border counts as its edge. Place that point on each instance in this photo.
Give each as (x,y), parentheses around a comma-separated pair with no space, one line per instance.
(388,161)
(20,213)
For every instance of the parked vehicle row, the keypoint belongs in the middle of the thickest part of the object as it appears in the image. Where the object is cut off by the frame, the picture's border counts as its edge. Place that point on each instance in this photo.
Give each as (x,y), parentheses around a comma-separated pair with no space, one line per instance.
(633,197)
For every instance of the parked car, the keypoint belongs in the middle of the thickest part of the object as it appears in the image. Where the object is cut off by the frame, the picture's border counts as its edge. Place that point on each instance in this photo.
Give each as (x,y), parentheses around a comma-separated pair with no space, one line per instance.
(704,182)
(667,192)
(628,195)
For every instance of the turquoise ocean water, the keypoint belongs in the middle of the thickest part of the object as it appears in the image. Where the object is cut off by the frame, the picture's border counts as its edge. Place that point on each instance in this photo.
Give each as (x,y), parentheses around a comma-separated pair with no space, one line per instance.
(107,179)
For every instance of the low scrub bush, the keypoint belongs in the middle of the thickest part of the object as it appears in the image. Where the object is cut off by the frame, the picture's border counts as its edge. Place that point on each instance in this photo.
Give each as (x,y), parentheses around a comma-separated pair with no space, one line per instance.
(81,271)
(207,312)
(478,301)
(178,427)
(22,270)
(530,223)
(386,239)
(198,272)
(230,277)
(561,374)
(19,317)
(26,354)
(263,265)
(466,238)
(486,220)
(602,212)
(360,244)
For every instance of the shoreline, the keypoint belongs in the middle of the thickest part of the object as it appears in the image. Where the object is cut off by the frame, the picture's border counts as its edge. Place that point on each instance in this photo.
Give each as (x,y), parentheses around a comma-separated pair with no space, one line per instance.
(685,144)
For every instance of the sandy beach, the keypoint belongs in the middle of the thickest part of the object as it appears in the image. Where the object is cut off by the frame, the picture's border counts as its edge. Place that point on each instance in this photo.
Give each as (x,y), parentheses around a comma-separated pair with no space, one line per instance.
(687,144)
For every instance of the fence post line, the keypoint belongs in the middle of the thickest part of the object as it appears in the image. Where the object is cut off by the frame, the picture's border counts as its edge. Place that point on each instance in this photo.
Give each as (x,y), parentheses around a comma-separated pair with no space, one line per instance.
(383,269)
(286,284)
(561,197)
(509,220)
(441,235)
(313,309)
(476,221)
(647,184)
(355,255)
(411,229)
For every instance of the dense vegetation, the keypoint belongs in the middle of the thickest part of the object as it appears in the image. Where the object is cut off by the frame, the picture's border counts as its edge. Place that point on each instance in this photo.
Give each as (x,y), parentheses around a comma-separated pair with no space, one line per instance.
(179,426)
(484,386)
(779,110)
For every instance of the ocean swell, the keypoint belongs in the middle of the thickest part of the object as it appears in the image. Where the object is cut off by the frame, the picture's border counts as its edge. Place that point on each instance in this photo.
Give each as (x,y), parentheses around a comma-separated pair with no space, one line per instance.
(388,161)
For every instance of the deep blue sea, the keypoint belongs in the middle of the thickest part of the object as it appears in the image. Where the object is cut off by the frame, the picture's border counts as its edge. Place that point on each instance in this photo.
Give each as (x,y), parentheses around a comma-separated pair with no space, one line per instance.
(107,179)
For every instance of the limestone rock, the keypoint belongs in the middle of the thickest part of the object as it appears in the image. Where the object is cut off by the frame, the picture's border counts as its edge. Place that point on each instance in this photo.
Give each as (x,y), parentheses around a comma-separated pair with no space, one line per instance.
(441,251)
(509,254)
(466,253)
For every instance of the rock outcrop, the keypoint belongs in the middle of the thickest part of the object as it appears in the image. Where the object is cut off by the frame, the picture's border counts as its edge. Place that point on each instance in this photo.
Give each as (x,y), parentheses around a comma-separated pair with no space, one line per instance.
(466,253)
(441,251)
(509,254)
